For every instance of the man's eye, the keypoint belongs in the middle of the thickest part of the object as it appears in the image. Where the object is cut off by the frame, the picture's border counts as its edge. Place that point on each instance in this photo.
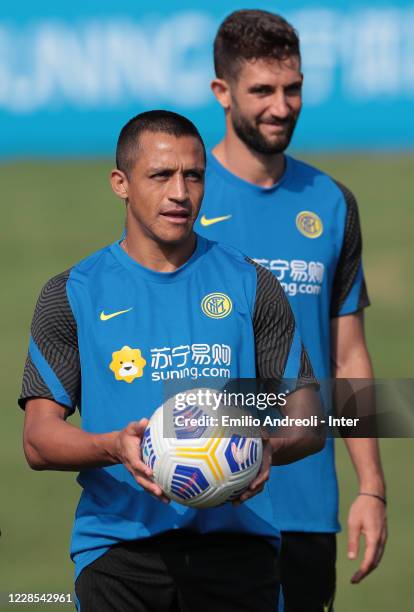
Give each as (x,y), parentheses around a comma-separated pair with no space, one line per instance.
(261,91)
(194,176)
(160,176)
(294,89)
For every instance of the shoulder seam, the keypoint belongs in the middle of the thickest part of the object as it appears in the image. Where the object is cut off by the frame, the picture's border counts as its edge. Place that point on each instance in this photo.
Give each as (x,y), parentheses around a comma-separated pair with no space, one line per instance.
(348,195)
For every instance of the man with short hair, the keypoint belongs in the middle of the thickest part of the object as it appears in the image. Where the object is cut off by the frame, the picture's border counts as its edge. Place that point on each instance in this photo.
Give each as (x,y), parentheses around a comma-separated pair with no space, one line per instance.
(304,227)
(105,334)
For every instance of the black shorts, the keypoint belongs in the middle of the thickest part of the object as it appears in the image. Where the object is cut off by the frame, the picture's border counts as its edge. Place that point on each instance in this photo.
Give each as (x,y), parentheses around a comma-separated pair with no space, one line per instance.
(307,569)
(182,571)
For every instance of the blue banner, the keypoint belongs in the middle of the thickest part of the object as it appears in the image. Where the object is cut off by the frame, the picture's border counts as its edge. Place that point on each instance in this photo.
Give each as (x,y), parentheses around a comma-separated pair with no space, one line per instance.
(71,74)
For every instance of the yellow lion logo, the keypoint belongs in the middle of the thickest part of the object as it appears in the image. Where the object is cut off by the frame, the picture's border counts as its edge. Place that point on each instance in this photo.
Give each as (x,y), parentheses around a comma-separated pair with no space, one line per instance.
(127,364)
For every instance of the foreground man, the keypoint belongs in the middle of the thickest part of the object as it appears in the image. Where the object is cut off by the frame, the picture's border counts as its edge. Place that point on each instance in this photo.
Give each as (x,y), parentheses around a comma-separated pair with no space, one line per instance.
(304,227)
(105,334)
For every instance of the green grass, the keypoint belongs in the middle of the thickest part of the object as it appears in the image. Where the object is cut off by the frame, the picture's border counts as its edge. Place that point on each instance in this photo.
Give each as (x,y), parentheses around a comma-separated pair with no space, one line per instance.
(56,213)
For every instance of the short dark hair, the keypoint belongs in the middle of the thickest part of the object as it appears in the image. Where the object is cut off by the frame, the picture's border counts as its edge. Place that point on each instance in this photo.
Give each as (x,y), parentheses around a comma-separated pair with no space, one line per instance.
(252,34)
(151,121)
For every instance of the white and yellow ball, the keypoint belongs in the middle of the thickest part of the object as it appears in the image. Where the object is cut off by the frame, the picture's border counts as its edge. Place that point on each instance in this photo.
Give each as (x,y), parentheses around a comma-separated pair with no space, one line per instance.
(203,465)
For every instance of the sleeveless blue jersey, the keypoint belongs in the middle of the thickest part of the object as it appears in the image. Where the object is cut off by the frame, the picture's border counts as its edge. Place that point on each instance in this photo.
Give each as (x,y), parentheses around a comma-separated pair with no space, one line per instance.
(108,332)
(304,229)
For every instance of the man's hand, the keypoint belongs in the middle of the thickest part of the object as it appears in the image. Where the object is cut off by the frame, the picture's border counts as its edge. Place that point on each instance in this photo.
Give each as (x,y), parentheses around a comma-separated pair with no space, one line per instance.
(367,517)
(257,485)
(128,451)
(280,451)
(51,443)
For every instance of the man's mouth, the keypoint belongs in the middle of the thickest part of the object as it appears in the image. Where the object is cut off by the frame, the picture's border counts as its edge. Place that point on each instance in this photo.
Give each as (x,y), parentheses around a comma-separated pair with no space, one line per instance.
(277,127)
(179,216)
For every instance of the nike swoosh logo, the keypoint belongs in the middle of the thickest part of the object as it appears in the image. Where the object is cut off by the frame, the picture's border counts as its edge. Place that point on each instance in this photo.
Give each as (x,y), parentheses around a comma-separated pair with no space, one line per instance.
(206,222)
(105,317)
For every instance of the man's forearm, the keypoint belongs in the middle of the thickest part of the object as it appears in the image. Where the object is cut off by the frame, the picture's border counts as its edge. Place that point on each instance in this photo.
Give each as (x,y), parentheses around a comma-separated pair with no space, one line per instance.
(289,450)
(364,452)
(50,443)
(300,441)
(62,446)
(365,456)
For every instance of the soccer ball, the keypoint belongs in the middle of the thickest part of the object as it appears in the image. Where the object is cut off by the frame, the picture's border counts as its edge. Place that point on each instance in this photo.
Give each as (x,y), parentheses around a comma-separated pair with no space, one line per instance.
(200,467)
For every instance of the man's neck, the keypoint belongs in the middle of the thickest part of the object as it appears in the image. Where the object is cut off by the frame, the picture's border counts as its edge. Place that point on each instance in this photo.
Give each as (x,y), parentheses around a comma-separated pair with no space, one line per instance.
(160,257)
(253,167)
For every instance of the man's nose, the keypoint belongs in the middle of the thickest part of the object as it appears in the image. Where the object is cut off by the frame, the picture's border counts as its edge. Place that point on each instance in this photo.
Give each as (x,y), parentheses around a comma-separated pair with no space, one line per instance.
(279,107)
(178,188)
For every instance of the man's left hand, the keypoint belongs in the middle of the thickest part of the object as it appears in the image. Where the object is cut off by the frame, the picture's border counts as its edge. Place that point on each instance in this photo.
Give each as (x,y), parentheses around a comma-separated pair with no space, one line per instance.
(367,517)
(257,485)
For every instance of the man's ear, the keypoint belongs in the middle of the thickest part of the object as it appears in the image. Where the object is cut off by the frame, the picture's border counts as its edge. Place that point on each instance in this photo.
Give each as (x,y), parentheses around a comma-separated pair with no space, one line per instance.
(221,90)
(119,183)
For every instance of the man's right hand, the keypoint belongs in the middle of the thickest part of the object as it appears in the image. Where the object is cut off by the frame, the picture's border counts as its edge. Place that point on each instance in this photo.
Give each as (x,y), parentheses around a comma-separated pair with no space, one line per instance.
(128,451)
(51,443)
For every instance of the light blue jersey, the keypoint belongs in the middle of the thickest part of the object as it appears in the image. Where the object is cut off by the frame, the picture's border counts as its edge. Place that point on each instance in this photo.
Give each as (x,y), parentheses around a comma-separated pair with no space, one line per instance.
(108,332)
(305,230)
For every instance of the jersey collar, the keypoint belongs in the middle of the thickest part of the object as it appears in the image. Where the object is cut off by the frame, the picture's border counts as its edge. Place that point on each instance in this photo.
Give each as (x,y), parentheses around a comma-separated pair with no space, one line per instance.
(161,277)
(212,162)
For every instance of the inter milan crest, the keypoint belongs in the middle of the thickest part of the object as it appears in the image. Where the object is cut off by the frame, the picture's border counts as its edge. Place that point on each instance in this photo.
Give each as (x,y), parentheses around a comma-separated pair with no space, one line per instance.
(217,305)
(309,224)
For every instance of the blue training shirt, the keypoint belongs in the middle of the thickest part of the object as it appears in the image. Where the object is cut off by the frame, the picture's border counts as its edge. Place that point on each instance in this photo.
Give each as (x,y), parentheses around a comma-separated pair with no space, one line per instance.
(108,332)
(305,230)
